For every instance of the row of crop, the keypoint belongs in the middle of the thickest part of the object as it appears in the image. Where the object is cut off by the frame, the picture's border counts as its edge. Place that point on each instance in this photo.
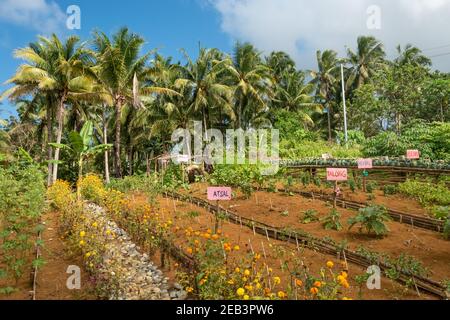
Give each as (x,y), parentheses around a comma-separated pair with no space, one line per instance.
(377,162)
(88,236)
(405,269)
(219,273)
(22,196)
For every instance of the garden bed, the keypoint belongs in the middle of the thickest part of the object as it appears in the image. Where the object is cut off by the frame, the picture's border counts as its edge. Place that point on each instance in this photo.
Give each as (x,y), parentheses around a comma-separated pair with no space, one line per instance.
(283,211)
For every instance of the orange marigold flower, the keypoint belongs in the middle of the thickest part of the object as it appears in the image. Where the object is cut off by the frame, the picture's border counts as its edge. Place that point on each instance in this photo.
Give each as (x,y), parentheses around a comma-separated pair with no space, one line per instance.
(314,291)
(298,282)
(317,284)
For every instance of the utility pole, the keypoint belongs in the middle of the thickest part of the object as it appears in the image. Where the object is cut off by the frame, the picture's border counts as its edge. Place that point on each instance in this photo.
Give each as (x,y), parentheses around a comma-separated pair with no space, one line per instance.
(345,106)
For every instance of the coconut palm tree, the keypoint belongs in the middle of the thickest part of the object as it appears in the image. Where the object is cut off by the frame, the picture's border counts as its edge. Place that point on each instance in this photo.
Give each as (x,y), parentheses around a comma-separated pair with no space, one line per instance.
(120,67)
(252,84)
(411,55)
(56,68)
(119,61)
(202,77)
(325,81)
(368,59)
(280,64)
(292,94)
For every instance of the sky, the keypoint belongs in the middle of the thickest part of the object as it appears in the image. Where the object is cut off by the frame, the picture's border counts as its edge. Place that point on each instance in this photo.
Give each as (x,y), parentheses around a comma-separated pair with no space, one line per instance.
(299,27)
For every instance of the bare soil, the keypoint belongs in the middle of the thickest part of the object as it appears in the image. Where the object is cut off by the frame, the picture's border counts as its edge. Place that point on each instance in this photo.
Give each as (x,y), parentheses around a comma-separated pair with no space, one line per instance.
(426,246)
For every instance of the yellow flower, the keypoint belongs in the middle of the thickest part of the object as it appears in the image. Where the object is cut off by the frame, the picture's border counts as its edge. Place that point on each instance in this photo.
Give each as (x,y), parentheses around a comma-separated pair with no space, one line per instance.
(344,274)
(281,295)
(345,298)
(277,280)
(236,248)
(189,289)
(82,234)
(189,250)
(249,288)
(246,297)
(258,286)
(87,255)
(237,270)
(244,279)
(330,264)
(95,225)
(247,272)
(82,243)
(240,292)
(108,232)
(231,282)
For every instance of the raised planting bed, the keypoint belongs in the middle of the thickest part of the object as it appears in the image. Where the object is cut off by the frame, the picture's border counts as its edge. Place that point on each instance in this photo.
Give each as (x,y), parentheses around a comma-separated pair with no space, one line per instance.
(407,240)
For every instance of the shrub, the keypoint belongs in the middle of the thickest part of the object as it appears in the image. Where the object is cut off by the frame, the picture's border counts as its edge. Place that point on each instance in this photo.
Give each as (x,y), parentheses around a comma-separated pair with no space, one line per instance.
(426,193)
(22,195)
(389,189)
(441,212)
(91,187)
(310,216)
(370,187)
(332,221)
(352,185)
(372,219)
(447,229)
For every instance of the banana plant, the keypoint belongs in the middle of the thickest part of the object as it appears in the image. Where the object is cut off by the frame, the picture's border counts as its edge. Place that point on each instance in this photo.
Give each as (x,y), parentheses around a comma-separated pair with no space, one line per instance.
(81,147)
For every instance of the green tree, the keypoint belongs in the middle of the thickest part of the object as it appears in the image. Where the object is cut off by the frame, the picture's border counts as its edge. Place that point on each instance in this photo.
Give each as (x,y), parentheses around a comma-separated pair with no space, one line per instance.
(252,85)
(80,147)
(60,69)
(325,79)
(366,61)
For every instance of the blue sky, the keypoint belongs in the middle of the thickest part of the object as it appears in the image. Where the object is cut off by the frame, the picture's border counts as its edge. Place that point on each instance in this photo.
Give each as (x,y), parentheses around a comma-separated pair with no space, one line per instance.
(168,25)
(299,27)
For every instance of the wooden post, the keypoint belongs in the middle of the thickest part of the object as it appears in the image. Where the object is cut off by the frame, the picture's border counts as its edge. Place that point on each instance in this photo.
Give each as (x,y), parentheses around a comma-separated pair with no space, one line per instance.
(335,194)
(216,226)
(364,178)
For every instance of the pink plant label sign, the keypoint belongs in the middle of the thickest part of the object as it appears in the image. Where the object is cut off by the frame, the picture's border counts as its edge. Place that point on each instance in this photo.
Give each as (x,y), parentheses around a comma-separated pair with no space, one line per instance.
(365,164)
(337,174)
(413,154)
(219,194)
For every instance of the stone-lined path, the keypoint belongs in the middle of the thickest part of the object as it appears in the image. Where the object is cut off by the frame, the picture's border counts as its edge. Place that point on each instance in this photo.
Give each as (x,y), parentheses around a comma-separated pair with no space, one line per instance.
(134,275)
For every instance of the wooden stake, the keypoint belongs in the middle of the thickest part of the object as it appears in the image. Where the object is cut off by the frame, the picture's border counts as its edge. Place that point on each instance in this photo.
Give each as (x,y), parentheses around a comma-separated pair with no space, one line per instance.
(267,234)
(251,247)
(264,250)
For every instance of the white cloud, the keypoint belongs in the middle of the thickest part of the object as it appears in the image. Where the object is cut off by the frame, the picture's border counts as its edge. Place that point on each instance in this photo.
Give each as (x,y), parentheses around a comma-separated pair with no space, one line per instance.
(41,15)
(301,27)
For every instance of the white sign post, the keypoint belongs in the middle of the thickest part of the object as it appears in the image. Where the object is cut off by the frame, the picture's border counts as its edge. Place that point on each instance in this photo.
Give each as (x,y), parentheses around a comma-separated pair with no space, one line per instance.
(336,175)
(364,164)
(218,194)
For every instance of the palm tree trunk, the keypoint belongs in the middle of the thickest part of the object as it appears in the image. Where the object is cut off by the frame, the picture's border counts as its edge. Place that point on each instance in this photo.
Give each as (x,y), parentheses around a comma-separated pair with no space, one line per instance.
(60,119)
(117,162)
(49,140)
(330,137)
(130,161)
(105,141)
